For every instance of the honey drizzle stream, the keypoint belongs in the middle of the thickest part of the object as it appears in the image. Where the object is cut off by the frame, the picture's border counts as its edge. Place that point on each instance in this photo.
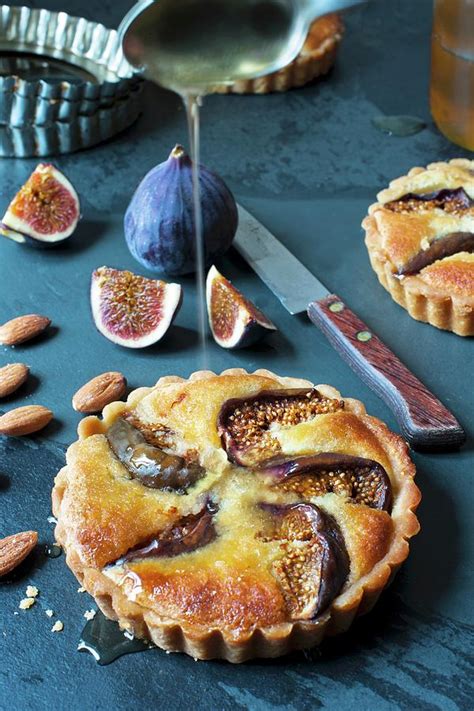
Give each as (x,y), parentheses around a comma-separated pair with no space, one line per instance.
(192,104)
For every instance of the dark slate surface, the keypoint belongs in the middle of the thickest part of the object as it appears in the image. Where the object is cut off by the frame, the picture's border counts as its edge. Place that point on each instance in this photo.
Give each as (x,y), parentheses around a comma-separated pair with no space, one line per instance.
(307,163)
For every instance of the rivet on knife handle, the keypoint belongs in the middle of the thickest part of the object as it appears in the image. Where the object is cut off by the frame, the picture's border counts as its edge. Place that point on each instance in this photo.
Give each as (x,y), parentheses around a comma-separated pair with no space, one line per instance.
(425,422)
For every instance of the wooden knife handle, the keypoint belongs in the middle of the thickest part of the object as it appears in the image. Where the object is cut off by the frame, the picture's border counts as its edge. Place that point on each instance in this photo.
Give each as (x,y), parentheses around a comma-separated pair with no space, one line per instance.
(425,422)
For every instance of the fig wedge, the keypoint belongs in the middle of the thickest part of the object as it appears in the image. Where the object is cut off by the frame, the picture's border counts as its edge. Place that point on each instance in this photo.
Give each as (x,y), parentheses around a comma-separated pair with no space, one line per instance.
(131,310)
(235,322)
(45,210)
(440,248)
(314,564)
(244,425)
(190,533)
(364,481)
(149,464)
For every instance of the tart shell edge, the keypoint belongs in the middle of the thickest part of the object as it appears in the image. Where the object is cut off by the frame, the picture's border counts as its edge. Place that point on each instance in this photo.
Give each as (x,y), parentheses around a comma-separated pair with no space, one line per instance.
(312,62)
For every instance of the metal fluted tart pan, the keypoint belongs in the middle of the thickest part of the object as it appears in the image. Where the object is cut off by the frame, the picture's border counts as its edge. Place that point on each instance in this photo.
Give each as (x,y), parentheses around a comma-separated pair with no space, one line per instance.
(62,137)
(65,83)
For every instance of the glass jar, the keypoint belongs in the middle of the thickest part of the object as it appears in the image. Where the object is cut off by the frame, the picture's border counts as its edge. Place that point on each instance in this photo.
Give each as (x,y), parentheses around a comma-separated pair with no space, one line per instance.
(452,70)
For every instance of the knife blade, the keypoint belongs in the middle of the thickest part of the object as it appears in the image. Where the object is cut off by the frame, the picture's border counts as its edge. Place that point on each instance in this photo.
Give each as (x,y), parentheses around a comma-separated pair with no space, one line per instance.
(425,422)
(269,258)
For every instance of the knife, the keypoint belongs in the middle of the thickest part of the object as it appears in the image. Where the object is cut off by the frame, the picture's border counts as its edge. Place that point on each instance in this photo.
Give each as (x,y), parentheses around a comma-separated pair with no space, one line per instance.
(425,422)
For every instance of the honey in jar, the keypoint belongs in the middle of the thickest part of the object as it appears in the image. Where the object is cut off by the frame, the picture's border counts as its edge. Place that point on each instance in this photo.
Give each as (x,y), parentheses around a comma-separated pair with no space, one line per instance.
(452,70)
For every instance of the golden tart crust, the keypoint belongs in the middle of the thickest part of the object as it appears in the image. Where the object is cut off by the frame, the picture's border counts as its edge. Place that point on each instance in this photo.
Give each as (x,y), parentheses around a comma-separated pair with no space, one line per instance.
(222,600)
(315,59)
(441,293)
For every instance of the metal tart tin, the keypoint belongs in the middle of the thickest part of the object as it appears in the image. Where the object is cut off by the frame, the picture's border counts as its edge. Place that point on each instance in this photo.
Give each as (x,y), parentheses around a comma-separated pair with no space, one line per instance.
(64,83)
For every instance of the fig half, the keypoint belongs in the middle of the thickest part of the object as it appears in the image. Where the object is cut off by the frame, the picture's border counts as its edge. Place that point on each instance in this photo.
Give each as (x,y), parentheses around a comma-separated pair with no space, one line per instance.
(190,533)
(314,564)
(364,481)
(235,322)
(152,466)
(131,310)
(44,211)
(244,424)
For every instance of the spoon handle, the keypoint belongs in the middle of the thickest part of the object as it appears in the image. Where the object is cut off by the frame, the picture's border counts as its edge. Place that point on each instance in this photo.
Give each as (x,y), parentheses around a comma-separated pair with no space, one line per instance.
(425,422)
(317,8)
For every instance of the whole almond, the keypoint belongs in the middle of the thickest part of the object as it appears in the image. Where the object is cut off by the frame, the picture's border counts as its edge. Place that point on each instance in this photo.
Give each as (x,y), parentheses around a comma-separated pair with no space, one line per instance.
(25,420)
(14,549)
(99,392)
(22,328)
(11,377)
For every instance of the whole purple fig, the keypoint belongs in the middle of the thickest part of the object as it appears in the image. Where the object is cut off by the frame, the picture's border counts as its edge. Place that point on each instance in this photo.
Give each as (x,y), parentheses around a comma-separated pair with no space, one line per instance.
(159,222)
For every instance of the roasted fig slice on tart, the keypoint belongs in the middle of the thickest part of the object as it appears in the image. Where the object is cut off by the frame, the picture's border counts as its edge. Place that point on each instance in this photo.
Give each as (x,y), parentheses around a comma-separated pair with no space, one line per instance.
(363,481)
(151,465)
(247,425)
(314,564)
(186,535)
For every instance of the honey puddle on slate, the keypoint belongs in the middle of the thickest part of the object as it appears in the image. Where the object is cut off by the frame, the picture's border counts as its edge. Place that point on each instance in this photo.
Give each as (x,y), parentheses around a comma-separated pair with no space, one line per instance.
(104,639)
(401,126)
(52,550)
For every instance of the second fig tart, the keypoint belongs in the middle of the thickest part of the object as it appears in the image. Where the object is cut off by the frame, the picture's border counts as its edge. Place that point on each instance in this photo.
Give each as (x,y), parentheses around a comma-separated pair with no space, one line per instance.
(420,238)
(315,59)
(235,515)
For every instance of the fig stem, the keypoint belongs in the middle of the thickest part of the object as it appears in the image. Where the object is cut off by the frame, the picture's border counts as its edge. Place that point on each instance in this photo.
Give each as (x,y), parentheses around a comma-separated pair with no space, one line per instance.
(178,151)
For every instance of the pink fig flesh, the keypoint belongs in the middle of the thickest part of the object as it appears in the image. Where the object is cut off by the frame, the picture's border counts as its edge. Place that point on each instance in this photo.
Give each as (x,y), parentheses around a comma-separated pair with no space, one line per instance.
(234,320)
(131,310)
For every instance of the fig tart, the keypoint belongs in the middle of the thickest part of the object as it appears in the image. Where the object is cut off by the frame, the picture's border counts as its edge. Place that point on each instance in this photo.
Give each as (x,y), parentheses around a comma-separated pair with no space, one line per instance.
(235,515)
(420,238)
(315,59)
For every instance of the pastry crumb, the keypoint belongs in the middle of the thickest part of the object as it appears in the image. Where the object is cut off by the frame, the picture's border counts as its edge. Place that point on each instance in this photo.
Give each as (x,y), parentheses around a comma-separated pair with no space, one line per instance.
(57,627)
(81,589)
(49,613)
(26,603)
(129,635)
(52,519)
(16,612)
(32,591)
(90,614)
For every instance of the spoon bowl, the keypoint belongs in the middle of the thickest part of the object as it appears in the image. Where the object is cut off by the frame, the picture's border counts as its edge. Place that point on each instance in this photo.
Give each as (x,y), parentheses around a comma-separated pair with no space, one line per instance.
(192,46)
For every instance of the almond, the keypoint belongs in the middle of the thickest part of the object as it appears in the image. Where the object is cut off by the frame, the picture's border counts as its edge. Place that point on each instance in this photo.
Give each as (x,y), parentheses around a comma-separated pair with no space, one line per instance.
(11,377)
(25,420)
(22,328)
(14,549)
(99,392)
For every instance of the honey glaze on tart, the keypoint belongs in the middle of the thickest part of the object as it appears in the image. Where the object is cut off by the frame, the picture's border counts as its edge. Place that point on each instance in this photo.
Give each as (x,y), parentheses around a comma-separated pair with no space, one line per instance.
(244,547)
(420,238)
